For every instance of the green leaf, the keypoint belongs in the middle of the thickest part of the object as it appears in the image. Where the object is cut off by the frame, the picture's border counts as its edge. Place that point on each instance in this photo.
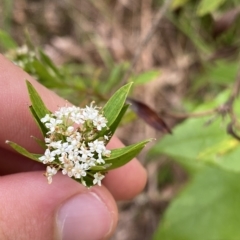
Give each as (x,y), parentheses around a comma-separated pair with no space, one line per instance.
(24,152)
(37,104)
(117,121)
(178,3)
(189,140)
(48,62)
(145,77)
(208,6)
(115,104)
(100,168)
(41,126)
(44,75)
(6,41)
(41,143)
(111,129)
(219,73)
(113,79)
(121,156)
(195,145)
(207,209)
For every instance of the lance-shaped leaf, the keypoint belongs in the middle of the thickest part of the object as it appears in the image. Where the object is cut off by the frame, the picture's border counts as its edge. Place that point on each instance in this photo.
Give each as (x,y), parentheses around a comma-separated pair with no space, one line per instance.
(121,156)
(24,152)
(111,129)
(40,142)
(38,121)
(149,116)
(37,104)
(115,104)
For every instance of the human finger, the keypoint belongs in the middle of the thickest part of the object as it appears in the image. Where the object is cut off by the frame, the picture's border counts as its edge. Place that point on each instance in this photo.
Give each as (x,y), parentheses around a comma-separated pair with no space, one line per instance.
(30,209)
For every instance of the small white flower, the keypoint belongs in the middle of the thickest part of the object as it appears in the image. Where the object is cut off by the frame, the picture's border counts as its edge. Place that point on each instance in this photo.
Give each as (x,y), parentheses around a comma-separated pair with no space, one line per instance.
(98,177)
(47,140)
(56,145)
(85,152)
(69,130)
(74,157)
(96,146)
(49,173)
(46,118)
(106,153)
(76,136)
(90,162)
(100,160)
(90,113)
(47,157)
(106,137)
(63,148)
(79,171)
(77,116)
(23,50)
(52,124)
(100,122)
(68,169)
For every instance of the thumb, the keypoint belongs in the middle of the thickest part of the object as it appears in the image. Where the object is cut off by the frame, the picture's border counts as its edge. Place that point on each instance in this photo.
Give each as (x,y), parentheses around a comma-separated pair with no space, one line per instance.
(32,209)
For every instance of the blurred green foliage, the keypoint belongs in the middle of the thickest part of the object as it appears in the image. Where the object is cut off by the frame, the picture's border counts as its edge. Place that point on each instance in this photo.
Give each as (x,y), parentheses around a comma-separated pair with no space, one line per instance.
(209,205)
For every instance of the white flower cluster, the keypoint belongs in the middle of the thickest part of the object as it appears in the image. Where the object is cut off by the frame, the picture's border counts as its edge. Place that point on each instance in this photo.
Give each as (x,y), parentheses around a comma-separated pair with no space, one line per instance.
(21,56)
(72,143)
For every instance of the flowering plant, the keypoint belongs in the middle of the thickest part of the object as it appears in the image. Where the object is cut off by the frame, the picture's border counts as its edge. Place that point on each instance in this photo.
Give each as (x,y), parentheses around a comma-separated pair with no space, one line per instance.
(75,138)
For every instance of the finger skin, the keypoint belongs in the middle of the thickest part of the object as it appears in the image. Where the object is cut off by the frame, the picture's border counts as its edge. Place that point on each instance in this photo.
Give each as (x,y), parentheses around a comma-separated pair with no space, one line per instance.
(31,212)
(18,125)
(14,163)
(131,178)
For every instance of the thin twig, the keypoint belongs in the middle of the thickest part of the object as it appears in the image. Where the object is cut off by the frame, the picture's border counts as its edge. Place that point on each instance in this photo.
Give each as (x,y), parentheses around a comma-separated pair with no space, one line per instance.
(235,90)
(146,39)
(188,115)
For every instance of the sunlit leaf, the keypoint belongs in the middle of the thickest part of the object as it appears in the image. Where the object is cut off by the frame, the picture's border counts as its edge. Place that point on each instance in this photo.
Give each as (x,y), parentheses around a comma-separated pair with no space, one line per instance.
(145,77)
(6,41)
(195,145)
(115,104)
(120,157)
(207,209)
(48,62)
(206,6)
(178,3)
(111,129)
(24,152)
(38,121)
(113,79)
(37,104)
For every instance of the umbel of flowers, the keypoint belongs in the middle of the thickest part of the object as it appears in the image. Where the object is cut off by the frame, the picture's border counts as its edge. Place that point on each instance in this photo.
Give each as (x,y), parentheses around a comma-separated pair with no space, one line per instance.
(72,143)
(75,138)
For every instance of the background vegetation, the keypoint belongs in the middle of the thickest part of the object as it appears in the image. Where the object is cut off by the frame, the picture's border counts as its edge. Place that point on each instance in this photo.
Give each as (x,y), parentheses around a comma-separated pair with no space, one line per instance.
(183,57)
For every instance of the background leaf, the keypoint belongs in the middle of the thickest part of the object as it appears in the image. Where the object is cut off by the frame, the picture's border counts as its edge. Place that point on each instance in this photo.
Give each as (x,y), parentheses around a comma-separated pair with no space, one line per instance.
(145,77)
(206,6)
(6,41)
(207,209)
(196,145)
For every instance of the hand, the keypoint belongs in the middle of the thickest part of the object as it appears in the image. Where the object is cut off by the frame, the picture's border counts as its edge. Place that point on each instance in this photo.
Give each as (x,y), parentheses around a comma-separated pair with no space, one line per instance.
(31,208)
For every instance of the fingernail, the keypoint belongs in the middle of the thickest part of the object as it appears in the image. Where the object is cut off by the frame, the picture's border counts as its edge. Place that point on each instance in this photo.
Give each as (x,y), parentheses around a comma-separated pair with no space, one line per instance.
(84,216)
